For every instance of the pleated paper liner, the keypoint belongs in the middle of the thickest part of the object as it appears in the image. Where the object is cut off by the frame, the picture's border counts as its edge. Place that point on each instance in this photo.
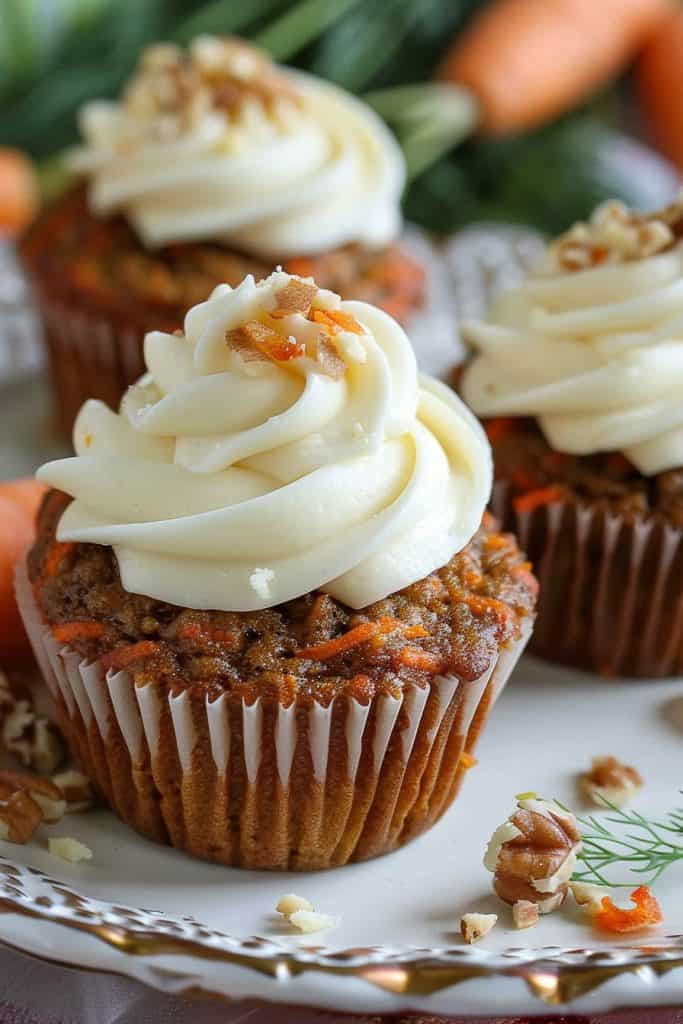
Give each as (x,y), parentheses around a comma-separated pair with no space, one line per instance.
(264,785)
(611,588)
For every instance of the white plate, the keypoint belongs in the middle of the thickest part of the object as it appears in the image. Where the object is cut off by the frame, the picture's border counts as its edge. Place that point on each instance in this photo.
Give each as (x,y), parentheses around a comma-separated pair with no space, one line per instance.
(399,914)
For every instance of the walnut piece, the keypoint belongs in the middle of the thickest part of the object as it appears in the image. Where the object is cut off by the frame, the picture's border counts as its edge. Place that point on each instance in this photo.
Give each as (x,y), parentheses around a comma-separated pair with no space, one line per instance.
(44,793)
(20,815)
(69,849)
(290,903)
(587,895)
(296,297)
(77,789)
(533,854)
(31,738)
(525,914)
(474,927)
(616,234)
(328,358)
(610,780)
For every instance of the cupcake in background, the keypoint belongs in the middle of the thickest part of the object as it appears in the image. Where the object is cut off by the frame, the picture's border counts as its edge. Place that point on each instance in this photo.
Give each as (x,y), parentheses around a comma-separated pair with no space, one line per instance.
(275,615)
(214,164)
(578,374)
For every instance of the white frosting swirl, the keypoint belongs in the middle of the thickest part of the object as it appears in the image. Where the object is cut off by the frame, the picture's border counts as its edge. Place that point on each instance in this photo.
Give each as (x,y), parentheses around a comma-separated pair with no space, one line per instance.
(236,485)
(298,172)
(595,354)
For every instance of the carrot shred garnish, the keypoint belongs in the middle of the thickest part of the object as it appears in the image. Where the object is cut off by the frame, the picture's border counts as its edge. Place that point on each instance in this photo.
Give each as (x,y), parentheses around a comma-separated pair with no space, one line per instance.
(497,541)
(336,319)
(645,913)
(415,657)
(121,657)
(466,761)
(413,632)
(340,644)
(193,631)
(537,498)
(55,556)
(499,428)
(65,632)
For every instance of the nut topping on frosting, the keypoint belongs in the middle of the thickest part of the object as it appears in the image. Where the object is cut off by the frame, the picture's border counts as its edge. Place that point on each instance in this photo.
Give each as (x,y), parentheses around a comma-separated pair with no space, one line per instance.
(261,458)
(533,854)
(217,143)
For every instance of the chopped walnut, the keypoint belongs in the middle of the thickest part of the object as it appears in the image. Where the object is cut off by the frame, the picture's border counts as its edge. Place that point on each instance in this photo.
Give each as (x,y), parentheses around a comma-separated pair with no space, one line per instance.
(69,849)
(309,921)
(48,796)
(20,815)
(33,739)
(77,789)
(616,234)
(329,360)
(587,895)
(290,903)
(533,854)
(474,927)
(610,780)
(295,297)
(525,914)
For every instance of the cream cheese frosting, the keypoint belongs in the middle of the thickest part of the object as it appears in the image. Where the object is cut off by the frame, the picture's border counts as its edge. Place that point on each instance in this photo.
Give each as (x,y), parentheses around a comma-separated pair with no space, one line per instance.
(219,144)
(282,443)
(592,343)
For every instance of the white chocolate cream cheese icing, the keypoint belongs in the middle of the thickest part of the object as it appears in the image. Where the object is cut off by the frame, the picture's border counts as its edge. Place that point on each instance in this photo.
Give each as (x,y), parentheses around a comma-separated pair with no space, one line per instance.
(219,144)
(282,443)
(592,344)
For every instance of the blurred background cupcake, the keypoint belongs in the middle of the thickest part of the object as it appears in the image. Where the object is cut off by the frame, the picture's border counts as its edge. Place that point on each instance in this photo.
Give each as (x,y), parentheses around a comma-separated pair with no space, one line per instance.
(578,373)
(214,164)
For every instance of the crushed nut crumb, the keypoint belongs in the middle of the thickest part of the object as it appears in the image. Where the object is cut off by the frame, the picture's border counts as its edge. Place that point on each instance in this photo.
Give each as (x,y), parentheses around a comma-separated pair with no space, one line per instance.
(69,849)
(525,914)
(290,903)
(309,921)
(474,927)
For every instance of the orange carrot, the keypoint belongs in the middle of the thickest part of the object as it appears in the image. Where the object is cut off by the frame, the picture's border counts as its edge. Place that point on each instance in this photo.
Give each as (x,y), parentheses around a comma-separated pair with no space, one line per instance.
(121,657)
(193,631)
(467,761)
(659,82)
(65,632)
(55,556)
(415,657)
(526,61)
(339,645)
(537,498)
(645,913)
(496,541)
(499,428)
(19,500)
(19,196)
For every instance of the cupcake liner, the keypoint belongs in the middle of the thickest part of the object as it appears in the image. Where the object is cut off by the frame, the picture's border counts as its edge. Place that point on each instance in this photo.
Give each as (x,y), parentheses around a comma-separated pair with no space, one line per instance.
(611,588)
(89,357)
(264,785)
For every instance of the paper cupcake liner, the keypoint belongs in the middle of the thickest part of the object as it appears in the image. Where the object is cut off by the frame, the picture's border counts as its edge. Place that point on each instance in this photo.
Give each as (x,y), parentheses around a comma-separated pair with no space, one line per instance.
(89,357)
(611,588)
(264,785)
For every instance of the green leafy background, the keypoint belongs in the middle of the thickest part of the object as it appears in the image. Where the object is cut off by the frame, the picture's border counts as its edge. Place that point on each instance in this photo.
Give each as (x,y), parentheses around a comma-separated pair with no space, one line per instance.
(55,54)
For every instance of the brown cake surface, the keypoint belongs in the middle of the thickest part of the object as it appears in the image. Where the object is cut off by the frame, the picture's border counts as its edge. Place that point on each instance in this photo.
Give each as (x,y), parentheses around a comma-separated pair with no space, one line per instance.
(453,621)
(99,265)
(538,475)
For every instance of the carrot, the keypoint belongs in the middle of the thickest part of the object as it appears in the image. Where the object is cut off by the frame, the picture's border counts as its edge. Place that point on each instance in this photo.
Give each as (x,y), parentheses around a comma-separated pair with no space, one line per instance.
(526,61)
(121,657)
(339,645)
(19,500)
(334,320)
(536,499)
(19,197)
(423,661)
(467,761)
(658,78)
(193,631)
(55,556)
(65,632)
(496,541)
(499,428)
(644,914)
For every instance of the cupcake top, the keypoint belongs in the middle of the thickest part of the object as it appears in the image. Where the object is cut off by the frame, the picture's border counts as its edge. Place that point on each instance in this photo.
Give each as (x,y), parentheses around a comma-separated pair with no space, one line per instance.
(219,144)
(280,444)
(592,343)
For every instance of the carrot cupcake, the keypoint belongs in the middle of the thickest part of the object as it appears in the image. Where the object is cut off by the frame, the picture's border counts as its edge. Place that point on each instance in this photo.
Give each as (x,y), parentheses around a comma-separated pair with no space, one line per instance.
(579,374)
(272,617)
(214,164)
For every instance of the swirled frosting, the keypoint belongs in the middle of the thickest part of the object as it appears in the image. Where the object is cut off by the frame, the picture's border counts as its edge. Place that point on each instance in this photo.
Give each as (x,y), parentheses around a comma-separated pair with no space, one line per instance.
(218,144)
(592,344)
(281,444)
